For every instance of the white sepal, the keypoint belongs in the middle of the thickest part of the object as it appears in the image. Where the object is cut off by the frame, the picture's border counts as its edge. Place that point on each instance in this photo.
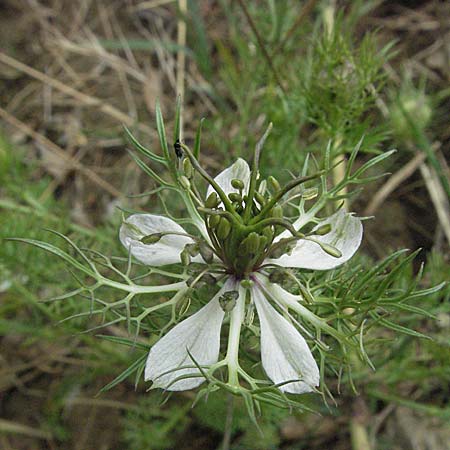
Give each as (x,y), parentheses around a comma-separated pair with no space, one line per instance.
(239,170)
(345,235)
(285,354)
(166,251)
(198,335)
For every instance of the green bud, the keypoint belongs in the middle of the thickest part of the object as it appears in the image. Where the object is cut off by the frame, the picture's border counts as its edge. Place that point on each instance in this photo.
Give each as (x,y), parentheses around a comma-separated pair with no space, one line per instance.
(185,183)
(237,184)
(185,258)
(235,197)
(250,245)
(223,229)
(277,212)
(184,305)
(262,243)
(187,167)
(309,194)
(284,246)
(192,249)
(228,300)
(268,233)
(247,284)
(237,207)
(206,251)
(213,221)
(278,276)
(273,183)
(262,187)
(324,229)
(212,201)
(152,238)
(260,198)
(327,248)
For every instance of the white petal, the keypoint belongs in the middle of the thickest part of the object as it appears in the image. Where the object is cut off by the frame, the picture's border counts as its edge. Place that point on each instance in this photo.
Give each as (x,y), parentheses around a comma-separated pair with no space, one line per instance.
(285,354)
(200,334)
(166,251)
(239,170)
(346,235)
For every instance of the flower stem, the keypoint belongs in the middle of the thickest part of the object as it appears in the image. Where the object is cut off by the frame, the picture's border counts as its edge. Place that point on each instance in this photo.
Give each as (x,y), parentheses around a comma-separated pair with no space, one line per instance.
(228,422)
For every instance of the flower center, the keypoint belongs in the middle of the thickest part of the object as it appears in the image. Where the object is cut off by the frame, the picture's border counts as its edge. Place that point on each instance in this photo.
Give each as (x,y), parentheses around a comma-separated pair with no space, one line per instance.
(243,230)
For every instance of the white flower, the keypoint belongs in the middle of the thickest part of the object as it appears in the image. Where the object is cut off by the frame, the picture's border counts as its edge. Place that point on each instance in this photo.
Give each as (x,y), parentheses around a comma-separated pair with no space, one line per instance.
(173,362)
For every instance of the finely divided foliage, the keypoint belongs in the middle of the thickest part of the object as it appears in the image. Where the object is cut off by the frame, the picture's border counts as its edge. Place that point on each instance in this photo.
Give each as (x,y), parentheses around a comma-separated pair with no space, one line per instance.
(259,249)
(285,355)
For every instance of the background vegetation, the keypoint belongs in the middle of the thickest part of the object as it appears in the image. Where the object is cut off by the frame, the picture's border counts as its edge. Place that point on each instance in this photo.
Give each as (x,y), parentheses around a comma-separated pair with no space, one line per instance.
(73,73)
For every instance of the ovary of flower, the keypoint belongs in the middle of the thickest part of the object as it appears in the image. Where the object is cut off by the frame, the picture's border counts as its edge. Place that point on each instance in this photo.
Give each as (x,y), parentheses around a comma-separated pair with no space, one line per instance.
(175,361)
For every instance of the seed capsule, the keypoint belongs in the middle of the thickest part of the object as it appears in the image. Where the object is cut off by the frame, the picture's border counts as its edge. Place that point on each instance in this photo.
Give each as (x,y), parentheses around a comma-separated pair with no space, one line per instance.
(212,201)
(237,184)
(152,238)
(223,229)
(187,167)
(273,183)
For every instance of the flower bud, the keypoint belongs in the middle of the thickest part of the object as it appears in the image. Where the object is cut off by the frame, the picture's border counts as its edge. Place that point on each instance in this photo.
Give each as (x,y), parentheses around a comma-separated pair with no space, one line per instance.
(228,300)
(277,212)
(237,184)
(212,201)
(223,229)
(247,284)
(187,167)
(322,230)
(284,246)
(152,238)
(260,198)
(192,249)
(273,183)
(309,194)
(235,197)
(250,245)
(185,183)
(268,233)
(262,243)
(213,221)
(206,251)
(332,251)
(185,258)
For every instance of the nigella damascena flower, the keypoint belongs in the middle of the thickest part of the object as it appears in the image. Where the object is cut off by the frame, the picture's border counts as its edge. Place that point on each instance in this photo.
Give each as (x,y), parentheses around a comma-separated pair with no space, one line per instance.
(244,238)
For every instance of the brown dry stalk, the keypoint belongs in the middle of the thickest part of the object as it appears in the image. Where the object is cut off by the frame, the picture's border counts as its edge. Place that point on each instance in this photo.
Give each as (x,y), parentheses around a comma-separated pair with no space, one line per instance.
(261,44)
(58,151)
(80,96)
(394,182)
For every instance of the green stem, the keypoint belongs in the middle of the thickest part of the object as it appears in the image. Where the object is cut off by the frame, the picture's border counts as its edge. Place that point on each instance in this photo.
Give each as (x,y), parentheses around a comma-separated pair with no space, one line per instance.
(255,171)
(209,179)
(278,196)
